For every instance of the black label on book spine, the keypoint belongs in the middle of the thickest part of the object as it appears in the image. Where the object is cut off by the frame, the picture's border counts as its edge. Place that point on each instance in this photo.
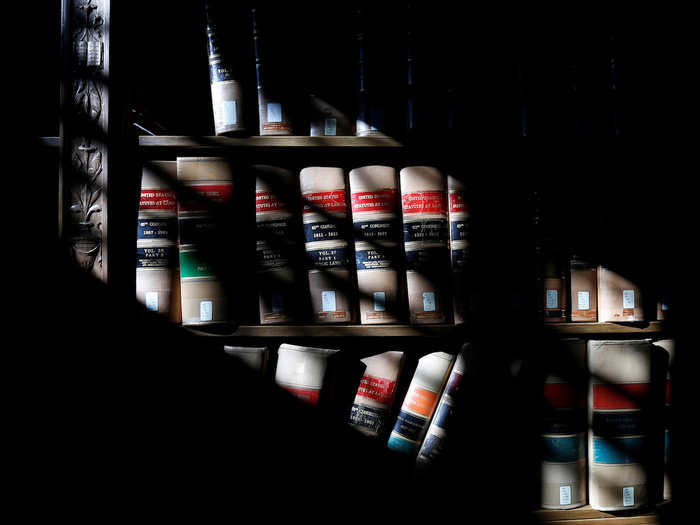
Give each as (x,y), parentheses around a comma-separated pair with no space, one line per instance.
(321,231)
(161,228)
(410,426)
(368,417)
(432,447)
(196,229)
(328,258)
(458,230)
(564,421)
(375,230)
(434,230)
(459,259)
(374,259)
(158,257)
(443,415)
(609,424)
(219,72)
(434,260)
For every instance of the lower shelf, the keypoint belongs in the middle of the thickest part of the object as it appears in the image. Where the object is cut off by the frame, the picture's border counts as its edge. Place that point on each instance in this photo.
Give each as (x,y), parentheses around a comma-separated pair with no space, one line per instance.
(586,515)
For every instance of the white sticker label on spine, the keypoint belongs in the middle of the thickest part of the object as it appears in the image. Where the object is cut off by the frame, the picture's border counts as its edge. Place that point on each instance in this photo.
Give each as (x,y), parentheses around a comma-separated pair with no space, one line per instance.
(584,300)
(627,298)
(429,301)
(664,306)
(565,495)
(328,300)
(552,298)
(627,496)
(331,126)
(379,301)
(152,301)
(274,112)
(206,311)
(230,113)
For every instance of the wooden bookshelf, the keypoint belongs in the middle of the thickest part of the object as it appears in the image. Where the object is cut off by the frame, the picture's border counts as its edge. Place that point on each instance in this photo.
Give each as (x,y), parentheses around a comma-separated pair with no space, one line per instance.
(586,515)
(158,142)
(650,327)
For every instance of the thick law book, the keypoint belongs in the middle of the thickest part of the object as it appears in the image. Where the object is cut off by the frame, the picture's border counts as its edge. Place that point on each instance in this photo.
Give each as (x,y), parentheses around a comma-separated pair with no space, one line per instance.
(375,219)
(324,214)
(327,120)
(563,474)
(302,371)
(459,244)
(224,77)
(554,294)
(276,250)
(620,422)
(420,402)
(425,234)
(669,347)
(255,358)
(157,276)
(203,296)
(619,299)
(435,442)
(375,395)
(584,290)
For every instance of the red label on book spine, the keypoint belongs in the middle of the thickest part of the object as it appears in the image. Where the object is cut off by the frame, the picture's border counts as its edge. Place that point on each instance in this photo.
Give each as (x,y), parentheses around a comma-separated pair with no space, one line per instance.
(266,201)
(619,396)
(157,199)
(424,202)
(377,388)
(563,395)
(457,203)
(380,200)
(307,395)
(331,201)
(216,193)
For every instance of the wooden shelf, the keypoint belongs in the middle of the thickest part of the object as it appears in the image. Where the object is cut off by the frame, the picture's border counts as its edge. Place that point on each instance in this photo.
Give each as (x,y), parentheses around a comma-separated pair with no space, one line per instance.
(148,142)
(443,330)
(589,516)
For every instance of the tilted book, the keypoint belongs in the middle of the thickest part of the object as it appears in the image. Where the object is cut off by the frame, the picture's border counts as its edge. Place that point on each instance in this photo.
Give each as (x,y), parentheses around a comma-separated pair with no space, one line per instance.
(420,402)
(157,277)
(202,292)
(376,393)
(425,233)
(563,475)
(301,371)
(374,202)
(619,299)
(255,358)
(328,256)
(276,249)
(459,244)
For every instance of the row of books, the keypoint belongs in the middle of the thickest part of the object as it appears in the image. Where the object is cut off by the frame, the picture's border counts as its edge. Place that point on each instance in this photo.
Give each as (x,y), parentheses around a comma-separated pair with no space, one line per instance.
(612,410)
(388,282)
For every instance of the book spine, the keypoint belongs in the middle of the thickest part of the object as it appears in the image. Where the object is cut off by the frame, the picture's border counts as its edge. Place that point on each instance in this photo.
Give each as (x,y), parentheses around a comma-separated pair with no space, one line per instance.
(156,239)
(584,291)
(203,296)
(327,121)
(563,474)
(254,358)
(425,232)
(374,204)
(226,86)
(376,393)
(301,371)
(669,347)
(459,245)
(435,443)
(370,115)
(618,442)
(420,402)
(619,299)
(275,246)
(327,251)
(272,110)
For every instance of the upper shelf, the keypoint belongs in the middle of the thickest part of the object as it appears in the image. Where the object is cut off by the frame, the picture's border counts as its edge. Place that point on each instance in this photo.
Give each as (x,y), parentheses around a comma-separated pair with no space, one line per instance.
(217,143)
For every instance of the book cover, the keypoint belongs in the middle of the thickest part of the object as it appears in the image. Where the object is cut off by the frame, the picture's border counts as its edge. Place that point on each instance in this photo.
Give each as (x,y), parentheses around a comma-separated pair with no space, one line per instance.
(425,233)
(459,244)
(619,299)
(375,395)
(157,276)
(331,282)
(301,371)
(203,296)
(584,290)
(420,402)
(374,203)
(255,358)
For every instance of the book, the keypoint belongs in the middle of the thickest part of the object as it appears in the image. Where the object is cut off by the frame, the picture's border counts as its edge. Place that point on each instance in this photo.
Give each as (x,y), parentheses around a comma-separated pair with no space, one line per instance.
(157,274)
(459,244)
(584,290)
(255,358)
(301,371)
(619,437)
(374,203)
(203,297)
(276,249)
(331,283)
(563,474)
(668,346)
(273,108)
(375,395)
(554,294)
(326,120)
(435,442)
(425,233)
(224,77)
(420,402)
(619,299)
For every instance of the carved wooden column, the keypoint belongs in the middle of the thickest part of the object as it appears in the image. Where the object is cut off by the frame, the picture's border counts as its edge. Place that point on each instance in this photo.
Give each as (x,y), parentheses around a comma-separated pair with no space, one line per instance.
(85,132)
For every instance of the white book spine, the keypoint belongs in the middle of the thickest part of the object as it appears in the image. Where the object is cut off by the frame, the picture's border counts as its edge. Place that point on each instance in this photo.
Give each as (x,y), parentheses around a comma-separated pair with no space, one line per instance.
(301,371)
(459,229)
(619,299)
